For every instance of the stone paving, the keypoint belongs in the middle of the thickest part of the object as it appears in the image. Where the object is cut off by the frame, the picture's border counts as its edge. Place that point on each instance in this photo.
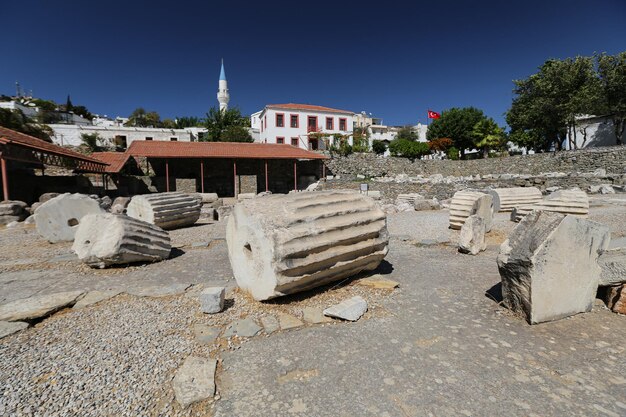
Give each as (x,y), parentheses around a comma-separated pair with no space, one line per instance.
(438,344)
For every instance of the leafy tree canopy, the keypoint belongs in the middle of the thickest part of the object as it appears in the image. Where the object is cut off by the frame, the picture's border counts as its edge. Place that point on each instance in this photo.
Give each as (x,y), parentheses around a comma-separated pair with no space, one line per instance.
(456,124)
(16,120)
(220,126)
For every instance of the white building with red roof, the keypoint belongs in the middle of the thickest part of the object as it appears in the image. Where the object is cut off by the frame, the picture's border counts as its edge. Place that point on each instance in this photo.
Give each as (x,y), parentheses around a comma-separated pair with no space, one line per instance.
(304,125)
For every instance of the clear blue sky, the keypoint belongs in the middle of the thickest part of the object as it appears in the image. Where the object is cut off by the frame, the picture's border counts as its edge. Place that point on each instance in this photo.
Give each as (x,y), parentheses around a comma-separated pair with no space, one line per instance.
(393,59)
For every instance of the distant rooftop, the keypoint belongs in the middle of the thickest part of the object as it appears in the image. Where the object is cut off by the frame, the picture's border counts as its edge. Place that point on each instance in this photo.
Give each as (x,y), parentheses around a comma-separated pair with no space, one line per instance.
(311,107)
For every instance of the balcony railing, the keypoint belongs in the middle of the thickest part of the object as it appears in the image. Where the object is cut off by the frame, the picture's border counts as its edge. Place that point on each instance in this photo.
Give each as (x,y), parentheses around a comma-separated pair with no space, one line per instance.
(310,129)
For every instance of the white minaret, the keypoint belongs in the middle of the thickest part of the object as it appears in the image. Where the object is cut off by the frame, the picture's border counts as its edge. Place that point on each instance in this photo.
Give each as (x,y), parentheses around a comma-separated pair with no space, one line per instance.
(222,93)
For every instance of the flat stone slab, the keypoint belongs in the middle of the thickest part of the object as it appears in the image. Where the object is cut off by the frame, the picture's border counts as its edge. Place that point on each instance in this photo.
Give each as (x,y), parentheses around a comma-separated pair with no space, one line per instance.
(314,315)
(270,324)
(204,334)
(287,321)
(613,264)
(93,297)
(159,291)
(200,244)
(378,282)
(194,380)
(66,257)
(351,309)
(38,306)
(9,327)
(243,328)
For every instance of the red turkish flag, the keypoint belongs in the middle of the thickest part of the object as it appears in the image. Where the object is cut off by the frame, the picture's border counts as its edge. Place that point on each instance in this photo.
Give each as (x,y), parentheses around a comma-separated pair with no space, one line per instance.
(433,114)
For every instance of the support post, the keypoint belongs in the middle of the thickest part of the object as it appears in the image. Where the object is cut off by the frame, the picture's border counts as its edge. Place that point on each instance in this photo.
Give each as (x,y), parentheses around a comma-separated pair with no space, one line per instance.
(5,180)
(295,176)
(267,188)
(235,177)
(167,176)
(104,184)
(202,175)
(324,170)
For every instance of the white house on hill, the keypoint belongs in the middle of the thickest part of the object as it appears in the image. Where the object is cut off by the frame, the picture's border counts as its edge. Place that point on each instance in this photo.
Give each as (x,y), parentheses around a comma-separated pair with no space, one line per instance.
(294,123)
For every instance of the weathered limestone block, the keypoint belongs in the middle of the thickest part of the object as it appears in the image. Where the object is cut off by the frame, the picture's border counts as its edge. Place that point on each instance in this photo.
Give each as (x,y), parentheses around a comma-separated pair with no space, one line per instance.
(58,218)
(616,298)
(549,267)
(613,264)
(282,244)
(574,202)
(351,309)
(109,239)
(212,300)
(472,237)
(466,203)
(166,210)
(408,198)
(12,208)
(208,198)
(194,380)
(505,199)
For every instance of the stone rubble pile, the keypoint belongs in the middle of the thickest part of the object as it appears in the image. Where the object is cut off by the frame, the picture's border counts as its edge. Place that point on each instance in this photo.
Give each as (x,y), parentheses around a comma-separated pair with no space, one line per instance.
(12,211)
(282,244)
(107,239)
(549,265)
(166,210)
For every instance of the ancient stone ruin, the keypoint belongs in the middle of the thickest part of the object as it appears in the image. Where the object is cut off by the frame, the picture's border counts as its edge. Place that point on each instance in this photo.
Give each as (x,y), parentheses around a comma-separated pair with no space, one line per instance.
(466,203)
(472,237)
(574,202)
(549,265)
(108,239)
(506,199)
(282,244)
(58,218)
(166,210)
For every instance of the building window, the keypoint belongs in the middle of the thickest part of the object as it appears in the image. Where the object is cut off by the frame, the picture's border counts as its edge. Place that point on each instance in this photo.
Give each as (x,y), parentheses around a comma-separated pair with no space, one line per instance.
(120,141)
(342,124)
(312,124)
(148,138)
(280,120)
(330,124)
(174,139)
(295,121)
(280,140)
(294,141)
(313,144)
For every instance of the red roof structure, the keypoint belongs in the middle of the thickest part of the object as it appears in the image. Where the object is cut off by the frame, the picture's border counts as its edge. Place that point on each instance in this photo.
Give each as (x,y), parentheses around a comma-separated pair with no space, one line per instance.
(309,107)
(116,160)
(226,150)
(13,138)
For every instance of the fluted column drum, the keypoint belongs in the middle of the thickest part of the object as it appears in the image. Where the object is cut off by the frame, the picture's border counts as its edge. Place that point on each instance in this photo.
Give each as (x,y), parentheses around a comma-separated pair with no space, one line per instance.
(166,210)
(283,244)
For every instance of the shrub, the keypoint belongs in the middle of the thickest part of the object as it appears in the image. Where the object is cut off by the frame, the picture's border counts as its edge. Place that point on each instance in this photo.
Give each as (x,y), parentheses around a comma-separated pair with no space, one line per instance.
(408,149)
(379,147)
(453,153)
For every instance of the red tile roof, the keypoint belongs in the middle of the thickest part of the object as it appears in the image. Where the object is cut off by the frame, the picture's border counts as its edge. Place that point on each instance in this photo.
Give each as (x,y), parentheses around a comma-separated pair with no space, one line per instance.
(116,160)
(166,149)
(310,107)
(11,137)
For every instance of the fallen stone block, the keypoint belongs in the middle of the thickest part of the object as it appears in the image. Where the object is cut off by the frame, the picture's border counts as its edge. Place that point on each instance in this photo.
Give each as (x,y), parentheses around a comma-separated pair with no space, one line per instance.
(9,327)
(424,204)
(245,196)
(166,210)
(351,309)
(57,219)
(283,244)
(466,203)
(119,205)
(616,299)
(606,189)
(208,198)
(408,198)
(212,300)
(194,380)
(38,306)
(548,265)
(574,202)
(223,212)
(505,199)
(109,239)
(376,195)
(613,265)
(47,197)
(472,237)
(12,208)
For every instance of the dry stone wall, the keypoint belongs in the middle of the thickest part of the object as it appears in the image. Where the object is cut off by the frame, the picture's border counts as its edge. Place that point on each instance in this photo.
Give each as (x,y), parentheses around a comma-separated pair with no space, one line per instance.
(612,159)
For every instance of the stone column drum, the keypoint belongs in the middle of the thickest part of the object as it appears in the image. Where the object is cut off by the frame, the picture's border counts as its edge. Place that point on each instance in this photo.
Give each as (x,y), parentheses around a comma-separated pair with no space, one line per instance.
(283,244)
(108,239)
(574,202)
(505,199)
(466,203)
(58,218)
(166,210)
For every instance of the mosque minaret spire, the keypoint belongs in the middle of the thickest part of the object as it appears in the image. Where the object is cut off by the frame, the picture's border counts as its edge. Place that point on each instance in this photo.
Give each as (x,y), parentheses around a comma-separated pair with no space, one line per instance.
(222,93)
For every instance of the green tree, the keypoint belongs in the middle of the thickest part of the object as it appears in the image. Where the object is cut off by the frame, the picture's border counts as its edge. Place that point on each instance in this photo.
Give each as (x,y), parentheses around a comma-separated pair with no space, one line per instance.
(183,122)
(168,124)
(93,141)
(142,118)
(456,124)
(379,147)
(217,121)
(408,149)
(407,133)
(82,112)
(612,78)
(487,135)
(235,133)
